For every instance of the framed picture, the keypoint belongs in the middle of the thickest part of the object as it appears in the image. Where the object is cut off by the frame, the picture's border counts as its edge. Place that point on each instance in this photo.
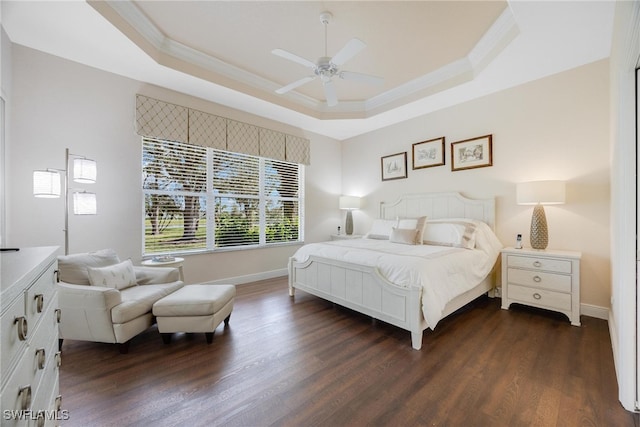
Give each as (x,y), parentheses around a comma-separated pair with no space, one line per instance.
(471,153)
(429,153)
(394,166)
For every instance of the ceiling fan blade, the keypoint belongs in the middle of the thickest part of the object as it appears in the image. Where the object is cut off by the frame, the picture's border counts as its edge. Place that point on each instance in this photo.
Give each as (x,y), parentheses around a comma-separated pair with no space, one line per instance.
(295,84)
(330,93)
(351,49)
(293,57)
(365,78)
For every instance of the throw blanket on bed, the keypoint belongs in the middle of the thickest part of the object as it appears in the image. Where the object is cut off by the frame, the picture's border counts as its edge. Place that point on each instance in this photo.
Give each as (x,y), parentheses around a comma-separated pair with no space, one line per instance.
(442,272)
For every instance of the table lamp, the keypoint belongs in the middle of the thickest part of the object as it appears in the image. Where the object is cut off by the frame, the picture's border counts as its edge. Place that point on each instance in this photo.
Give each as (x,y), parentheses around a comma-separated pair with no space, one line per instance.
(540,193)
(349,203)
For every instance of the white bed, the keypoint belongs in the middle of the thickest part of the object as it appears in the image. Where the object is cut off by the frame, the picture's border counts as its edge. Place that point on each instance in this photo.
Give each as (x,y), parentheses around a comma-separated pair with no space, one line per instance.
(388,281)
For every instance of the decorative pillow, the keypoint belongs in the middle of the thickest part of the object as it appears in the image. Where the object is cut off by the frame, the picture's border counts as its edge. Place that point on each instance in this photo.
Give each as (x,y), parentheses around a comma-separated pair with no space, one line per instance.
(405,236)
(456,233)
(381,229)
(117,276)
(420,227)
(73,268)
(417,224)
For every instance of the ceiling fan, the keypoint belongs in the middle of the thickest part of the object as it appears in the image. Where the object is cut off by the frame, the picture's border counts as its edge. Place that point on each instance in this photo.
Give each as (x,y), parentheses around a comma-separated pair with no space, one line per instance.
(326,68)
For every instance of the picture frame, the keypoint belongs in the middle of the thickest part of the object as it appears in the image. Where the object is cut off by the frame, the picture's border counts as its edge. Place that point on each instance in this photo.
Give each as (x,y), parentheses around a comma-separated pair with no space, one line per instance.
(472,153)
(394,166)
(427,154)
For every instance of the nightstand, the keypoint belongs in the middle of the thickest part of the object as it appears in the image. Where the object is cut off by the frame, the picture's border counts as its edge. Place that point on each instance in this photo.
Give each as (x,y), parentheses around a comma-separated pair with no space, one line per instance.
(345,236)
(542,278)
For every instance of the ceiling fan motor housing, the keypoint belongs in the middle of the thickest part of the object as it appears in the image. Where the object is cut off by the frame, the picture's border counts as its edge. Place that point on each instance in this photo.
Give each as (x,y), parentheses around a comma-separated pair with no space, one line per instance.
(325,69)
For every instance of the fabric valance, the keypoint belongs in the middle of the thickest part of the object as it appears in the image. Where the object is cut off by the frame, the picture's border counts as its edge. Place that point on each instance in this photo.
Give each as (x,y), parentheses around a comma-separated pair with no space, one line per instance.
(162,120)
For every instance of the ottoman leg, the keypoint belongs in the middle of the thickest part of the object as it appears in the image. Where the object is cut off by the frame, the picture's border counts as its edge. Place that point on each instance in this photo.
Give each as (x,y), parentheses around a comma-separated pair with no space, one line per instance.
(209,336)
(226,321)
(166,338)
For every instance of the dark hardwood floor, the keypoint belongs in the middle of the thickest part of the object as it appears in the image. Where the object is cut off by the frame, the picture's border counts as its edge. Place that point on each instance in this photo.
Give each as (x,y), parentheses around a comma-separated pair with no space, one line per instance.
(306,362)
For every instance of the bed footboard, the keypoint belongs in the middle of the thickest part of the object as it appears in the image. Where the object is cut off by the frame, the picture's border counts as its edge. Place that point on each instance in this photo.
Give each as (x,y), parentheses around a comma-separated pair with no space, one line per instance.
(362,289)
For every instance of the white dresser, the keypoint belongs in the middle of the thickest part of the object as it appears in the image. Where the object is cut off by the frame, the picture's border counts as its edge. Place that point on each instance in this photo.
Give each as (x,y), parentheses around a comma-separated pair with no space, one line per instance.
(29,338)
(542,278)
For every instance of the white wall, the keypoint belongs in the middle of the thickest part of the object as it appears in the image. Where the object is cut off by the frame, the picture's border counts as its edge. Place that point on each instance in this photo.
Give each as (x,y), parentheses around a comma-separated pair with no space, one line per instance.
(5,94)
(553,128)
(59,104)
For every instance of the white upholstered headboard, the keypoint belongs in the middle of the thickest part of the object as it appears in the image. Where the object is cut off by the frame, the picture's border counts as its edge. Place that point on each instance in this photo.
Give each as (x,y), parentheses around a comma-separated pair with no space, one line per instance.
(440,205)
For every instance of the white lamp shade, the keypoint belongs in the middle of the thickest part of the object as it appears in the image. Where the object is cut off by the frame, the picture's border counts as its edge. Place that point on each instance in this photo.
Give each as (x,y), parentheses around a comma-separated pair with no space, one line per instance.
(349,202)
(46,184)
(84,171)
(543,192)
(84,203)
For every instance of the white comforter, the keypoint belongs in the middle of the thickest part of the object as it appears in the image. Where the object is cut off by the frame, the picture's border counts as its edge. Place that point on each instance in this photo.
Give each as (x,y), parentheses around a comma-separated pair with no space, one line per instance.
(442,272)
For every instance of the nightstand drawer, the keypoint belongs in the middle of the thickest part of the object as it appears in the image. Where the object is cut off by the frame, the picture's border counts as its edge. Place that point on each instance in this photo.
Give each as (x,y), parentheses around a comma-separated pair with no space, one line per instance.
(541,280)
(538,263)
(540,297)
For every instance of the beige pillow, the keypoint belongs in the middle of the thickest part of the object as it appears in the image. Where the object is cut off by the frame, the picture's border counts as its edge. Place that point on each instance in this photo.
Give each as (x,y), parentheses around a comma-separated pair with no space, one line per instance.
(420,226)
(117,276)
(73,268)
(405,236)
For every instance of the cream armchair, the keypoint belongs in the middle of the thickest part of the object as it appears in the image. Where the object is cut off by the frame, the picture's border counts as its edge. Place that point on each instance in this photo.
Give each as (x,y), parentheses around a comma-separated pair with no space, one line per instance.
(105,300)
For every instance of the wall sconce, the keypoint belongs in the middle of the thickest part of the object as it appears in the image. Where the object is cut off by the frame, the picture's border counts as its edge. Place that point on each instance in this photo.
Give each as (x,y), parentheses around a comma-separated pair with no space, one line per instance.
(540,193)
(349,203)
(46,184)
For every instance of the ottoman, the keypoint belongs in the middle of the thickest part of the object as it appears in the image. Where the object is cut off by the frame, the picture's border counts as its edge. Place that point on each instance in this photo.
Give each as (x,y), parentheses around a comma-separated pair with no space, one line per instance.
(194,308)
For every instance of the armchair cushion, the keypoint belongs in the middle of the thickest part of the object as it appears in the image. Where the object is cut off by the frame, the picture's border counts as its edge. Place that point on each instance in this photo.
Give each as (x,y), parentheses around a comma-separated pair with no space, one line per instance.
(155,275)
(73,268)
(138,300)
(118,276)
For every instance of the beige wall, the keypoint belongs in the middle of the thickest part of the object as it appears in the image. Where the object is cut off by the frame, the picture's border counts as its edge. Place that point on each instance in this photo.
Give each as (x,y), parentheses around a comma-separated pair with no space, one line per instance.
(59,104)
(553,128)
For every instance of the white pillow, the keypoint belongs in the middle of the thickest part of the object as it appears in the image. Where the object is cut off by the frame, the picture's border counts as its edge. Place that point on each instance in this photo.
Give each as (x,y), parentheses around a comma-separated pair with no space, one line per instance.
(450,232)
(406,236)
(117,276)
(381,229)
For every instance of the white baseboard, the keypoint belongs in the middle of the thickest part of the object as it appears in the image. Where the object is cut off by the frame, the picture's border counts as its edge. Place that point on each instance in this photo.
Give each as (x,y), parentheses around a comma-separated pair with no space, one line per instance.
(239,280)
(594,311)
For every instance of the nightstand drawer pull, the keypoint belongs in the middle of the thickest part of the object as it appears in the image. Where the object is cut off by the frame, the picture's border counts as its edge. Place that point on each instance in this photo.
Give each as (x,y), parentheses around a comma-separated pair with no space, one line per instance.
(537,296)
(58,314)
(537,264)
(537,279)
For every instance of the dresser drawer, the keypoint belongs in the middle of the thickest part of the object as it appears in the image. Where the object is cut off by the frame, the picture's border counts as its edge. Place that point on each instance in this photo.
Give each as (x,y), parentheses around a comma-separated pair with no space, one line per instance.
(540,297)
(10,343)
(539,279)
(536,263)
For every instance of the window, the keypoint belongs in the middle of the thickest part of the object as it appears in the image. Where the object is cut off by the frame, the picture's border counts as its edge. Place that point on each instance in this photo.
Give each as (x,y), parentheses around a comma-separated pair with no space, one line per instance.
(201,199)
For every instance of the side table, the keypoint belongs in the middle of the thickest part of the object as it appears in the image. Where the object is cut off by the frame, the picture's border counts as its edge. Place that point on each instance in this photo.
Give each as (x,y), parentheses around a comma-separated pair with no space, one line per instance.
(176,262)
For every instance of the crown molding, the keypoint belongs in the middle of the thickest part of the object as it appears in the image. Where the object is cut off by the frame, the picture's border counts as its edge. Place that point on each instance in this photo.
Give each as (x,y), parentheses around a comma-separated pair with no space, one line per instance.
(168,51)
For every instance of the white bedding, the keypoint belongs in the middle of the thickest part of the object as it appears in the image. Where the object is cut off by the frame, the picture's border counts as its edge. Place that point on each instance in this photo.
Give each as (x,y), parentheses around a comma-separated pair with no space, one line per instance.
(442,272)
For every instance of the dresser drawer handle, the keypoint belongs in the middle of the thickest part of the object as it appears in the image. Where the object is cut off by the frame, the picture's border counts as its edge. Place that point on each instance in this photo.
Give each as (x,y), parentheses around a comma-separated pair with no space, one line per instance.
(58,358)
(24,395)
(58,314)
(22,327)
(537,296)
(40,357)
(537,279)
(39,302)
(537,264)
(40,418)
(58,404)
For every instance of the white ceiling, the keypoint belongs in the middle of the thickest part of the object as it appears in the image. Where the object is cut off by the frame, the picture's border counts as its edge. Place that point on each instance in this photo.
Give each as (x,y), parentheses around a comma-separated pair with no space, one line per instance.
(431,54)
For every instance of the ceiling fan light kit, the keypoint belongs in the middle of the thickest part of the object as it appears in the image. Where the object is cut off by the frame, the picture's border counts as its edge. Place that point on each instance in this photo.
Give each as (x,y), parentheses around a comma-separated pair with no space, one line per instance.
(326,68)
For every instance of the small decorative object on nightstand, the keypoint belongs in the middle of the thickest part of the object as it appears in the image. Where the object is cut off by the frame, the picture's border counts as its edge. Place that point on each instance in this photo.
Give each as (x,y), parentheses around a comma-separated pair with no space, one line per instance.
(546,279)
(345,236)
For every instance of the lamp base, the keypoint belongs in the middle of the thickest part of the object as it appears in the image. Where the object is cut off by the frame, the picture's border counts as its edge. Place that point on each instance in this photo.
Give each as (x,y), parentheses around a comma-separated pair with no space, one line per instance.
(539,236)
(348,226)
